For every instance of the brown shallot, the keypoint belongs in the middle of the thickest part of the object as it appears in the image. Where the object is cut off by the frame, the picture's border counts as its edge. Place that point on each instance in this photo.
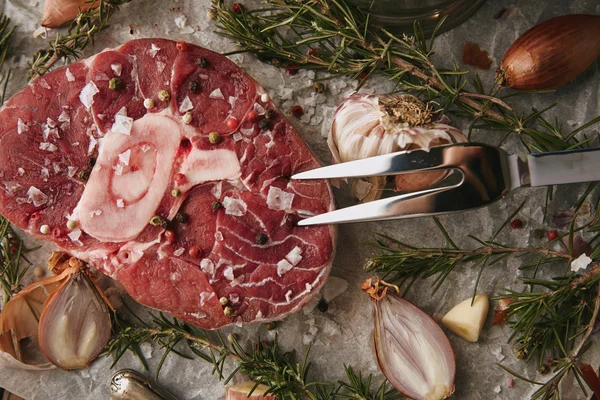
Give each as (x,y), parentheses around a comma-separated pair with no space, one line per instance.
(412,350)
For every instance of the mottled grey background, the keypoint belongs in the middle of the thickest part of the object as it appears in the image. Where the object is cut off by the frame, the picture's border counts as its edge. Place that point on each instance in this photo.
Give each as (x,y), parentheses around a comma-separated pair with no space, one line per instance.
(344,333)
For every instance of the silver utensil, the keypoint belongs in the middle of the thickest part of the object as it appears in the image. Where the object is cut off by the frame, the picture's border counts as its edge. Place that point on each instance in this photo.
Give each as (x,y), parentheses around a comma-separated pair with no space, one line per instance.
(486,174)
(127,384)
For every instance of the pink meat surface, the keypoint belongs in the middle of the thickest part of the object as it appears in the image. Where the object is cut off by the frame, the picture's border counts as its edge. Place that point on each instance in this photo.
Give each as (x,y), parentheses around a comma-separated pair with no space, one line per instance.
(84,143)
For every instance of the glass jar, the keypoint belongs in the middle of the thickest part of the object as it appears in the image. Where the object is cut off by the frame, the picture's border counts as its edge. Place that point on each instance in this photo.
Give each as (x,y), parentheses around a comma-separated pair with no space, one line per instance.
(399,15)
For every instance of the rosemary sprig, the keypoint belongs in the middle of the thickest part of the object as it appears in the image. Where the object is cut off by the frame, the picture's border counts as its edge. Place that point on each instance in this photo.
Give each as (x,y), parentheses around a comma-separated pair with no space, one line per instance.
(334,37)
(13,264)
(5,36)
(79,34)
(265,363)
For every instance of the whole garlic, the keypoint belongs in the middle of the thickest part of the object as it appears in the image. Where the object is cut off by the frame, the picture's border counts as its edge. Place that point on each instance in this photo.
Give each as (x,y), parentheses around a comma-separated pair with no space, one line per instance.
(370,125)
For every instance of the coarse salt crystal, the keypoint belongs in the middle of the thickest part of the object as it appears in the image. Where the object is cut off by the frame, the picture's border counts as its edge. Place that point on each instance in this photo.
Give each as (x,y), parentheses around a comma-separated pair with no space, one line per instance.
(181,21)
(64,117)
(247,131)
(278,199)
(234,207)
(283,266)
(120,203)
(118,169)
(87,94)
(204,297)
(44,83)
(71,171)
(22,126)
(122,124)
(228,273)
(124,157)
(237,136)
(581,263)
(69,75)
(294,256)
(179,251)
(56,167)
(74,235)
(122,111)
(20,171)
(36,196)
(231,100)
(45,174)
(48,147)
(217,189)
(216,94)
(186,105)
(259,109)
(207,266)
(117,69)
(153,50)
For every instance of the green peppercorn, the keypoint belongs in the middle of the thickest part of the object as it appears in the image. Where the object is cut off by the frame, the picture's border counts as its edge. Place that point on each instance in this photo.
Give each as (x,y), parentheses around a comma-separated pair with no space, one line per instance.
(91,162)
(84,175)
(214,138)
(216,205)
(323,306)
(181,217)
(115,84)
(269,114)
(261,238)
(228,311)
(157,220)
(318,87)
(163,95)
(202,62)
(264,124)
(176,192)
(270,325)
(194,86)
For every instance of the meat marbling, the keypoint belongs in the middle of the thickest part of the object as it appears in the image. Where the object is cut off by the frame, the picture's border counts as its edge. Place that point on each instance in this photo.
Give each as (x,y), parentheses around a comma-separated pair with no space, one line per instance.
(84,143)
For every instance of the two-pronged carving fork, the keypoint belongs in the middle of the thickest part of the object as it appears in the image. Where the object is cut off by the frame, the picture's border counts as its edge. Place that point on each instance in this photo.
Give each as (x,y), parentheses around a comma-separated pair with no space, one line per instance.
(486,174)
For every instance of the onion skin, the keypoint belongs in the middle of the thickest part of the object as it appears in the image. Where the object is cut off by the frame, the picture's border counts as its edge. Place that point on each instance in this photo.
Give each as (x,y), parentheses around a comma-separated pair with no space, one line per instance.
(552,53)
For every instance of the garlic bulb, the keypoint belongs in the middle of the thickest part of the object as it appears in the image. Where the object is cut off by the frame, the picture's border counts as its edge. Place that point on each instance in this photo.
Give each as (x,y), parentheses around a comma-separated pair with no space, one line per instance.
(370,125)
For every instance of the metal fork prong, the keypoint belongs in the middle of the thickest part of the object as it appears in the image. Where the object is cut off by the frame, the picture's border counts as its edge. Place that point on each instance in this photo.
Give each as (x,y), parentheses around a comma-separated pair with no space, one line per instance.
(415,204)
(388,164)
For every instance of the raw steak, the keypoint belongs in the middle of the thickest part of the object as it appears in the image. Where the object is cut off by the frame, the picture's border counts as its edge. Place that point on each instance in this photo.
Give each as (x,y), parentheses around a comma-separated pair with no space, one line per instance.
(167,167)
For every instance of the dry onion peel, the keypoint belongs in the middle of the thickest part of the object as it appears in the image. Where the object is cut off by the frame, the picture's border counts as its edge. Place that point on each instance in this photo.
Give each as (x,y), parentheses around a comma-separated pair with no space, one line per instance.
(412,350)
(552,53)
(370,125)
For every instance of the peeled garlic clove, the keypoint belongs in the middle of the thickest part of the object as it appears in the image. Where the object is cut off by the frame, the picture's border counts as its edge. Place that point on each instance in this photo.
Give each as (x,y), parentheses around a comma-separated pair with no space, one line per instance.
(412,350)
(466,320)
(75,324)
(552,53)
(242,390)
(370,125)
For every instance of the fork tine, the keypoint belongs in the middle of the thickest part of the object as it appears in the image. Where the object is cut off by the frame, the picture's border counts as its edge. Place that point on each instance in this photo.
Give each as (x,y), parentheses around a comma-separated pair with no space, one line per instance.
(387,164)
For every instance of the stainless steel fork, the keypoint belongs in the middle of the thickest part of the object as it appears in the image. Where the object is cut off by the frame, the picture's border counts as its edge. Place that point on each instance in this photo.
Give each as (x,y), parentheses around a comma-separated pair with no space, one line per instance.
(486,174)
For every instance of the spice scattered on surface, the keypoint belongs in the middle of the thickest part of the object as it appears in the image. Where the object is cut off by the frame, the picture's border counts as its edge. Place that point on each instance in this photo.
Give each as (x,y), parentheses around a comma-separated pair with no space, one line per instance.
(362,75)
(223,301)
(473,55)
(270,325)
(269,114)
(214,137)
(318,87)
(194,86)
(552,235)
(516,223)
(170,236)
(148,103)
(71,224)
(323,305)
(163,95)
(237,8)
(216,205)
(261,238)
(195,251)
(264,124)
(44,229)
(187,118)
(84,175)
(115,84)
(180,178)
(157,220)
(297,111)
(291,68)
(264,98)
(232,123)
(176,193)
(228,311)
(252,116)
(202,62)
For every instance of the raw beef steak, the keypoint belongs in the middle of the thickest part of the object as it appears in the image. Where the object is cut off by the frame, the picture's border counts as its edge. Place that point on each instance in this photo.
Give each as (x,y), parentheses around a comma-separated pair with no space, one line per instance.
(167,167)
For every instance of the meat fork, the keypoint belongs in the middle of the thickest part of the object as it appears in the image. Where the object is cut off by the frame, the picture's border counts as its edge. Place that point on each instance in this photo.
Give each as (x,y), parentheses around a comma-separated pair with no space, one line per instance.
(486,174)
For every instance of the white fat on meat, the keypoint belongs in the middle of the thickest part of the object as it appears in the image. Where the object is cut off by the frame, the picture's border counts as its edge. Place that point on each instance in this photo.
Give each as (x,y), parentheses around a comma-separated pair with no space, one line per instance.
(141,185)
(209,165)
(291,260)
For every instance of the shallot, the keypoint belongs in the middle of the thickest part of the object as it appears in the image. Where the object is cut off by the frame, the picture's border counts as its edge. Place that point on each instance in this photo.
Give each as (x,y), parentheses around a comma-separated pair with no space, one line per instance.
(412,350)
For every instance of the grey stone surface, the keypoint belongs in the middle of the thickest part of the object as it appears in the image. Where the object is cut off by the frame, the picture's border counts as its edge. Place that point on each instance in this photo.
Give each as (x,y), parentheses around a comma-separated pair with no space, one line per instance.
(344,333)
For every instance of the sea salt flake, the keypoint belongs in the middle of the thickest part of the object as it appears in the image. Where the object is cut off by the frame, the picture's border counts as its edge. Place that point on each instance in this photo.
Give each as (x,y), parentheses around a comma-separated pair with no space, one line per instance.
(50,122)
(124,157)
(207,266)
(87,94)
(122,125)
(294,256)
(117,69)
(46,146)
(74,235)
(228,273)
(581,263)
(231,100)
(204,297)
(145,148)
(283,266)
(278,199)
(259,109)
(237,136)
(45,174)
(56,167)
(186,105)
(64,117)
(71,171)
(118,169)
(216,94)
(179,251)
(497,389)
(22,126)
(181,21)
(334,287)
(153,50)
(122,111)
(234,207)
(217,189)
(247,131)
(69,75)
(44,83)
(234,298)
(36,196)
(20,171)
(120,203)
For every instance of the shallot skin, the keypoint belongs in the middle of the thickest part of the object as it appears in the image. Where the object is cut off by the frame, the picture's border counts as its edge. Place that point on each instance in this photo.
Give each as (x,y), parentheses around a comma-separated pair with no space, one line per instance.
(552,53)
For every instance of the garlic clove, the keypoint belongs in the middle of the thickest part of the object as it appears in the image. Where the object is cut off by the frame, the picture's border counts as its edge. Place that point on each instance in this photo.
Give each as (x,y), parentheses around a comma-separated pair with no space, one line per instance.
(242,391)
(466,320)
(75,325)
(552,53)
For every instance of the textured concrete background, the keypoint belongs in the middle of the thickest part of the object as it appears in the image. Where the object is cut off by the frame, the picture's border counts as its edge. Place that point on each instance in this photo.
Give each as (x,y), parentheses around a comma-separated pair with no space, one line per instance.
(344,333)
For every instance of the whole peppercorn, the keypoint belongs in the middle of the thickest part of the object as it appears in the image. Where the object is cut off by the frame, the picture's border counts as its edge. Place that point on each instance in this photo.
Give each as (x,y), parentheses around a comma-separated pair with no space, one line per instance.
(157,220)
(291,68)
(297,111)
(261,238)
(91,162)
(84,175)
(539,233)
(176,192)
(252,116)
(214,138)
(362,75)
(224,301)
(228,311)
(195,251)
(115,84)
(163,95)
(194,86)
(552,235)
(264,124)
(232,123)
(323,306)
(237,8)
(270,114)
(516,223)
(216,205)
(318,87)
(202,62)
(181,217)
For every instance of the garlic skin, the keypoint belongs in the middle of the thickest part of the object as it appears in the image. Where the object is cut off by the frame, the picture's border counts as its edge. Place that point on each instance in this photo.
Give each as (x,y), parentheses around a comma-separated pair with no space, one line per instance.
(371,125)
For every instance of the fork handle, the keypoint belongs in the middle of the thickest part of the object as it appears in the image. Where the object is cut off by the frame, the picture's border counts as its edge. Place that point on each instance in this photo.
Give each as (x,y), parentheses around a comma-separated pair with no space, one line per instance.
(571,166)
